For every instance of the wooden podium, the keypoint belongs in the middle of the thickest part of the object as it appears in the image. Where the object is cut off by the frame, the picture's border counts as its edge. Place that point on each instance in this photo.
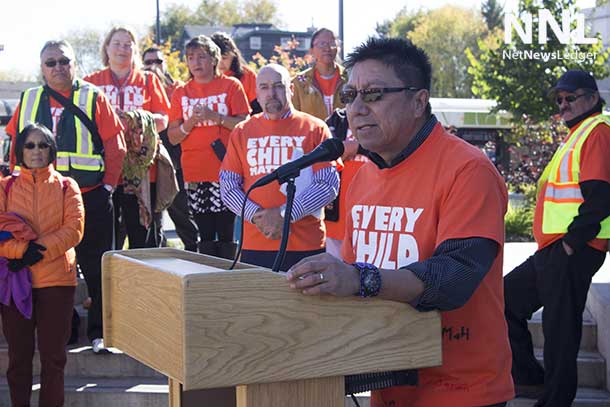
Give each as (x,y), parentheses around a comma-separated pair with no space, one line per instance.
(205,327)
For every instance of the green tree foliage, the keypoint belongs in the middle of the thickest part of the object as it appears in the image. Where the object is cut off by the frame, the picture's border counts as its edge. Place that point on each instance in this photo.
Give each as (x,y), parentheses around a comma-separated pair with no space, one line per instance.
(215,12)
(176,66)
(521,86)
(403,23)
(173,20)
(86,43)
(445,34)
(492,13)
(284,57)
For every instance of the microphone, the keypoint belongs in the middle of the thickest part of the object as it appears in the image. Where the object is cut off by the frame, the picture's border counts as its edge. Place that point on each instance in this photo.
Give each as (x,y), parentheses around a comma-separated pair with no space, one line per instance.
(328,150)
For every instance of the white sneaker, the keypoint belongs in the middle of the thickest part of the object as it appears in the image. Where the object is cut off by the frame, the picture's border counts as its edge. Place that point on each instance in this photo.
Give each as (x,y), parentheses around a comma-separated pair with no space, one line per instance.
(98,346)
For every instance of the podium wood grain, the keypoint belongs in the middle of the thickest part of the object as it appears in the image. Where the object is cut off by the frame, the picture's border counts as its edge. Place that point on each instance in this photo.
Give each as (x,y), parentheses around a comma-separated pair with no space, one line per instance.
(206,327)
(321,392)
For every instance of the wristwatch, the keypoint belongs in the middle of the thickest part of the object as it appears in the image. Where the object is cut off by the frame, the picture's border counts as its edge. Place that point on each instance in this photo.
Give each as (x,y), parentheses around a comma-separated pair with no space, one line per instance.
(109,188)
(370,279)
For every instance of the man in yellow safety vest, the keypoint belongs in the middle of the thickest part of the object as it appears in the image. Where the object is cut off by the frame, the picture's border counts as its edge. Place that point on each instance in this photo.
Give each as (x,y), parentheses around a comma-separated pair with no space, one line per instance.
(571,227)
(90,149)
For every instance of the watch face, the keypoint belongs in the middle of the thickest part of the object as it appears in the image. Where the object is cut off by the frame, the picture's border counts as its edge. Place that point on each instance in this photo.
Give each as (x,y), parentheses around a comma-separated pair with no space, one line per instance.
(370,279)
(372,282)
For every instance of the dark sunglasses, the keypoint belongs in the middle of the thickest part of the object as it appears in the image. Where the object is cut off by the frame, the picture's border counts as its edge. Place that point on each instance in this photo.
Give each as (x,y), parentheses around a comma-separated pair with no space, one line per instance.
(371,94)
(43,145)
(570,98)
(51,63)
(153,61)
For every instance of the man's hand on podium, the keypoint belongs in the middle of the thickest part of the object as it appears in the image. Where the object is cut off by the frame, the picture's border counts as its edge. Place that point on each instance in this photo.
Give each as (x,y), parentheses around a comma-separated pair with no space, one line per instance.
(324,274)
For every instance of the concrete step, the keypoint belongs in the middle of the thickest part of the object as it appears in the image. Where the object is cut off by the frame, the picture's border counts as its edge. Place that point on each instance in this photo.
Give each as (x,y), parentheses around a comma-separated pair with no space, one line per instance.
(92,392)
(82,362)
(585,397)
(589,331)
(591,368)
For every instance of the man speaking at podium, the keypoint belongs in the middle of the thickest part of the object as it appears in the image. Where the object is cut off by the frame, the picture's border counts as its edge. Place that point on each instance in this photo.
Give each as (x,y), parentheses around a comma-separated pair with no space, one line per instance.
(425,226)
(256,148)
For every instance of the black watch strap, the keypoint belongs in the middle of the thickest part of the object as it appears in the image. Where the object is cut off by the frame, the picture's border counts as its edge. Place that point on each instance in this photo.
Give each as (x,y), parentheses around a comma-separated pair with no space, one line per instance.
(370,279)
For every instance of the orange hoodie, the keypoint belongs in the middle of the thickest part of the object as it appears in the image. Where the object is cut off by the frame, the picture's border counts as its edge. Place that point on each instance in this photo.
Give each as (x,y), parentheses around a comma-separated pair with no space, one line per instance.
(55,213)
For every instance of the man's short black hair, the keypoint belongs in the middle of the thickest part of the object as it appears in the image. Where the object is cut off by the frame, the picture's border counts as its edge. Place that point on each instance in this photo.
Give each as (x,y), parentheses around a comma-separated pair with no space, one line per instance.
(410,63)
(151,49)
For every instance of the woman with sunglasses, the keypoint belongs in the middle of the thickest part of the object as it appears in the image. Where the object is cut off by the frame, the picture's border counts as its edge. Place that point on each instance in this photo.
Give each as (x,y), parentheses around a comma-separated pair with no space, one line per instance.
(316,90)
(204,111)
(130,88)
(51,207)
(232,64)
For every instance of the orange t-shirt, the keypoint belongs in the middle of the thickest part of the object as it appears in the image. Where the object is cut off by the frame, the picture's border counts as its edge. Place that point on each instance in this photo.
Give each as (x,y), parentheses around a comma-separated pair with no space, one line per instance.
(224,95)
(248,80)
(256,148)
(447,189)
(336,230)
(109,127)
(136,92)
(327,87)
(595,165)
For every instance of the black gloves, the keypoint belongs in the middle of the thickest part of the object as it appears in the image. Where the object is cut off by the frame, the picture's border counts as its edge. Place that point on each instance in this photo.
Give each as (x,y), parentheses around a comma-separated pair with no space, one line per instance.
(15,265)
(31,256)
(33,253)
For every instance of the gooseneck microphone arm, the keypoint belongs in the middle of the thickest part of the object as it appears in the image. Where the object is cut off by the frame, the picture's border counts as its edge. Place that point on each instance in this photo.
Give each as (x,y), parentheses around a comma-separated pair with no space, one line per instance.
(328,150)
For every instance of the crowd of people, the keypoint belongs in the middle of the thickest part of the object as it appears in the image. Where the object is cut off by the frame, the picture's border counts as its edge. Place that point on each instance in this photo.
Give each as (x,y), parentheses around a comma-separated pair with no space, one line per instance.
(409,212)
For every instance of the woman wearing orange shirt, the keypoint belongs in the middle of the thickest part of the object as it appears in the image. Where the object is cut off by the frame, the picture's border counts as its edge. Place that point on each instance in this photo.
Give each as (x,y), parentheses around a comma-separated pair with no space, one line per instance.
(203,112)
(232,64)
(130,88)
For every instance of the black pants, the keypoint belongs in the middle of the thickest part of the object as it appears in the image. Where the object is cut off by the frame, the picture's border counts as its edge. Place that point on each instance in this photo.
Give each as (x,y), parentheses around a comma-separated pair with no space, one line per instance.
(127,214)
(266,258)
(559,283)
(97,239)
(215,226)
(186,229)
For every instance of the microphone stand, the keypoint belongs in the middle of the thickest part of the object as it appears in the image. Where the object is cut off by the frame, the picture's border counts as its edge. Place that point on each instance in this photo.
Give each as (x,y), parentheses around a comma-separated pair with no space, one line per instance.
(290,192)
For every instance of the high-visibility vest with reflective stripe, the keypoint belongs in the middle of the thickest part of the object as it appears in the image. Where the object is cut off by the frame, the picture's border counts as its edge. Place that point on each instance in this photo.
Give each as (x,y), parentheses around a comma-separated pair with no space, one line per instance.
(80,155)
(563,196)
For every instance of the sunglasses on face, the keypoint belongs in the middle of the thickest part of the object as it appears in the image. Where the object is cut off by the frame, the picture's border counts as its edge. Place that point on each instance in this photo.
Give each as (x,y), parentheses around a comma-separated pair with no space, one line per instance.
(570,98)
(370,94)
(43,145)
(62,61)
(153,61)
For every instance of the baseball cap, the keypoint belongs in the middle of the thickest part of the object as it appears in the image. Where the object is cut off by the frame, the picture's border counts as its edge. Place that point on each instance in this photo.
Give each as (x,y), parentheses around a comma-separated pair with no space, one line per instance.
(575,79)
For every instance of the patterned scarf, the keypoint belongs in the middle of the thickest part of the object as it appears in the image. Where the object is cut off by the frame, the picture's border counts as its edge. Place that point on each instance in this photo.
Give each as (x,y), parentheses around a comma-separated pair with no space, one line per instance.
(142,139)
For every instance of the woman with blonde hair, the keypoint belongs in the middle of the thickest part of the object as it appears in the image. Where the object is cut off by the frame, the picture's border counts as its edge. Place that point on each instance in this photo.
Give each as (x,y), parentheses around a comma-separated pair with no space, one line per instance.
(130,88)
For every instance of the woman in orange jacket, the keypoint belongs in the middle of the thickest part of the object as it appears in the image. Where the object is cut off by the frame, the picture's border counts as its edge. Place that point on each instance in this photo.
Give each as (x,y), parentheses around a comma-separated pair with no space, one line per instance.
(51,205)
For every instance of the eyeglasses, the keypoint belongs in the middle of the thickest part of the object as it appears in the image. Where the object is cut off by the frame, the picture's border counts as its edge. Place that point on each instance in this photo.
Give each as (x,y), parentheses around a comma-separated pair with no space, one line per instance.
(371,94)
(51,62)
(325,44)
(43,145)
(153,61)
(570,98)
